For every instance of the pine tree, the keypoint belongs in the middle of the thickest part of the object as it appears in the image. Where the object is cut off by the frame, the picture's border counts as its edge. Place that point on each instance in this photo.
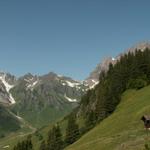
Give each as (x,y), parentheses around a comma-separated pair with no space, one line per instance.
(132,70)
(72,130)
(90,120)
(24,145)
(43,145)
(54,141)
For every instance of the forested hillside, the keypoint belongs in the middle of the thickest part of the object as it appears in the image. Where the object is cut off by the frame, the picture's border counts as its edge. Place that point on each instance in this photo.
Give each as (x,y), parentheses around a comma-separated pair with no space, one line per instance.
(124,129)
(132,71)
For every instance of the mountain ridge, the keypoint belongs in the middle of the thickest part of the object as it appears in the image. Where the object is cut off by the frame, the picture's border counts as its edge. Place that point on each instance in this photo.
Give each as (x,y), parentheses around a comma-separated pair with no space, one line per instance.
(8,81)
(93,78)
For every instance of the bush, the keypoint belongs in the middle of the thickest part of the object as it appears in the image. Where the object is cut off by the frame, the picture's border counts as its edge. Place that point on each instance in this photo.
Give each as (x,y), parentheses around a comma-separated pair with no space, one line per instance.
(2,136)
(136,83)
(147,147)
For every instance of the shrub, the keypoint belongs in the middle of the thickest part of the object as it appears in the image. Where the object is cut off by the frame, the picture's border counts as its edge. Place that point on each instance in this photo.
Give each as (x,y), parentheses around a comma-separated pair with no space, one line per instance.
(136,83)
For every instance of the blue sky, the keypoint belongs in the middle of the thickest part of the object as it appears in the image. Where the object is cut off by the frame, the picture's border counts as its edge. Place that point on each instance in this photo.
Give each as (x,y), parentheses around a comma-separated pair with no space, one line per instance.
(69,37)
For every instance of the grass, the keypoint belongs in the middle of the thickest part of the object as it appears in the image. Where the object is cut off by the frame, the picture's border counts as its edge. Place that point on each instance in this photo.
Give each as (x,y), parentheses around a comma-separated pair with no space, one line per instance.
(44,117)
(14,137)
(123,130)
(8,122)
(21,134)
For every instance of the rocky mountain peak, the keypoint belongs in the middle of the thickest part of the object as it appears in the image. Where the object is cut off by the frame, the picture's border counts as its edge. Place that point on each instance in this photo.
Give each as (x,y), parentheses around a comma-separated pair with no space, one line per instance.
(93,78)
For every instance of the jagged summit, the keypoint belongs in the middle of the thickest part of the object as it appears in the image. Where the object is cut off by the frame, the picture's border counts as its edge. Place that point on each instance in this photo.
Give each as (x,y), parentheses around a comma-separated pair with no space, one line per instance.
(50,86)
(93,78)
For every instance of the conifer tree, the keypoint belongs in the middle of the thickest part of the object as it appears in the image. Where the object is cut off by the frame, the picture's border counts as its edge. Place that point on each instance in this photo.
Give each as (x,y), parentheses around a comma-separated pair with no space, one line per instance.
(43,145)
(54,141)
(24,145)
(72,130)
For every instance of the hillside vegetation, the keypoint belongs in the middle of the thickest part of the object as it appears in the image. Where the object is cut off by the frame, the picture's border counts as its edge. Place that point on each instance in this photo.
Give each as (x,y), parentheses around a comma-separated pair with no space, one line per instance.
(8,122)
(46,101)
(123,130)
(131,71)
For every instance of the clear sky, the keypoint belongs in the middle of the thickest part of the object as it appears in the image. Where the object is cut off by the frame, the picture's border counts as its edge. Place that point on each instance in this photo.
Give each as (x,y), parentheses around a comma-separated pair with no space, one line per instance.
(69,37)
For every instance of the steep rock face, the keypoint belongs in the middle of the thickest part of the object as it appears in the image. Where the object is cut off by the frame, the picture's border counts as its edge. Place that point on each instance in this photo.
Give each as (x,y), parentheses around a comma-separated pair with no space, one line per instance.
(4,96)
(7,82)
(93,78)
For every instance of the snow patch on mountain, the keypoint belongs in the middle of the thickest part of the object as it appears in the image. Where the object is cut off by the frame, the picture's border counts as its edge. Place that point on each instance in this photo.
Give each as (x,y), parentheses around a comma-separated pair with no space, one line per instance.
(113,59)
(32,85)
(70,99)
(64,84)
(76,84)
(8,87)
(91,83)
(95,83)
(60,76)
(72,84)
(31,82)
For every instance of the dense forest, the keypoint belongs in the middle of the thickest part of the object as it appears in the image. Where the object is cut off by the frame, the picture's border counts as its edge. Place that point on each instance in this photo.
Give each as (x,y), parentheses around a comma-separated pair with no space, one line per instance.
(132,71)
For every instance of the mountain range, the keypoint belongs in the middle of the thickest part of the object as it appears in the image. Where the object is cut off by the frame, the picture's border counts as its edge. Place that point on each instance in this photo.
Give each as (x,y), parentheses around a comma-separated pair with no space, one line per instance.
(41,100)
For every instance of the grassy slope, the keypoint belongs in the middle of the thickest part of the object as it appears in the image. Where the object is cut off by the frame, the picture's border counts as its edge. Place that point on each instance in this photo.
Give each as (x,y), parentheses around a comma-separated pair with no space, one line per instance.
(8,122)
(44,133)
(123,130)
(124,127)
(45,117)
(15,137)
